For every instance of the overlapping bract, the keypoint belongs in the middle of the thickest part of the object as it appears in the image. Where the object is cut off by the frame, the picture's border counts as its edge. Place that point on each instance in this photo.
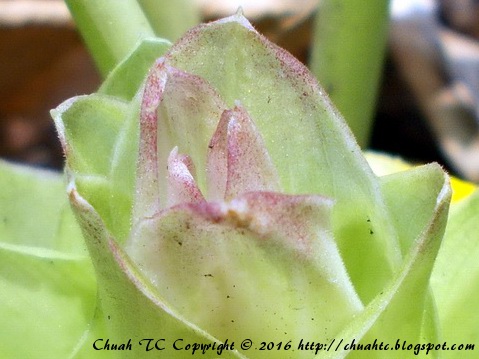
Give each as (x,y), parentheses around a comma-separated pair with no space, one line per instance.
(253,211)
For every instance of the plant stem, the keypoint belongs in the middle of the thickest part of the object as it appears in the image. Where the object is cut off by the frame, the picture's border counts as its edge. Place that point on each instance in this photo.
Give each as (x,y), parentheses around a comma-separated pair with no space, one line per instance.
(350,38)
(171,19)
(110,28)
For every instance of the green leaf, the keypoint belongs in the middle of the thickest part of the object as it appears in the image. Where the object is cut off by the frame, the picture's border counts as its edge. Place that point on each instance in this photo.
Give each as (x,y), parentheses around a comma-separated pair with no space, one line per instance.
(47,285)
(455,279)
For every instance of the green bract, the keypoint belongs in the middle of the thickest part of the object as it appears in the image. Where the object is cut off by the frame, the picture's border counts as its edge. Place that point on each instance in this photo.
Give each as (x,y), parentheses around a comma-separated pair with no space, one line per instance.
(227,200)
(207,244)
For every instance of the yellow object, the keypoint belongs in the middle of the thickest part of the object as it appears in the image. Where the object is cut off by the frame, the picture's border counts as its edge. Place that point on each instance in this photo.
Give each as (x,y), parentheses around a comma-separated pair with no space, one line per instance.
(461,189)
(383,164)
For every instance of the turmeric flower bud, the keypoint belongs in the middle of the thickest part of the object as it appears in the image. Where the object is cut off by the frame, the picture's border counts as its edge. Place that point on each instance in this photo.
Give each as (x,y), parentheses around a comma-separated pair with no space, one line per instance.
(227,200)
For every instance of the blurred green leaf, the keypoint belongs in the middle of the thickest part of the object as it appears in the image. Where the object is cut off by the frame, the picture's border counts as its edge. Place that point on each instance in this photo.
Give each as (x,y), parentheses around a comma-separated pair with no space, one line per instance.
(347,57)
(111,29)
(47,284)
(171,19)
(455,279)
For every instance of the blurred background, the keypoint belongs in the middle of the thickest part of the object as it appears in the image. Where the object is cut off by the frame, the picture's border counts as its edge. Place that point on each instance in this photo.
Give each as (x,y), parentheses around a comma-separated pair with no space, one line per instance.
(425,108)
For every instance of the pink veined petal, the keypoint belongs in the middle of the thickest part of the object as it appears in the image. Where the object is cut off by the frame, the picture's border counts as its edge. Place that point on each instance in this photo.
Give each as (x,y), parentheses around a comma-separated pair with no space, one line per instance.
(238,161)
(146,201)
(182,187)
(178,109)
(187,118)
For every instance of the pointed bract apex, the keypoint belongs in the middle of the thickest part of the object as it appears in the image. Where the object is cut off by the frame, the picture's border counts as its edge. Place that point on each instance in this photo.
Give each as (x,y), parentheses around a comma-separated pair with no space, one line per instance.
(60,126)
(238,17)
